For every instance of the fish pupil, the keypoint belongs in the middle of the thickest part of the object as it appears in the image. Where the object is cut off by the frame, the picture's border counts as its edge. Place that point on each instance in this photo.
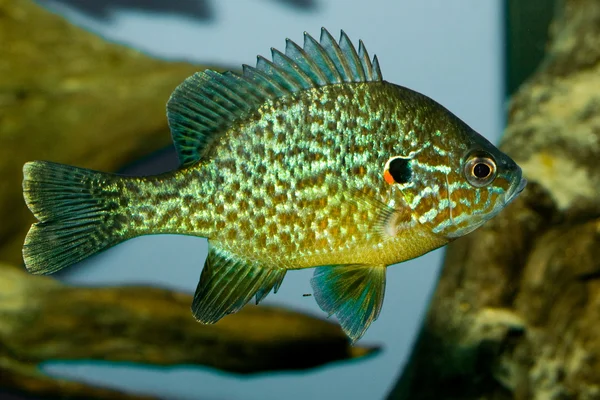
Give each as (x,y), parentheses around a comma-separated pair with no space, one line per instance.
(481,170)
(400,170)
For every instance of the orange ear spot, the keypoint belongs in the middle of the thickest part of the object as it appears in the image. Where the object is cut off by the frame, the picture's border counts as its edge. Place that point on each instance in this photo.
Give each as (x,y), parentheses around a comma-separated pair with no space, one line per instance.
(388,177)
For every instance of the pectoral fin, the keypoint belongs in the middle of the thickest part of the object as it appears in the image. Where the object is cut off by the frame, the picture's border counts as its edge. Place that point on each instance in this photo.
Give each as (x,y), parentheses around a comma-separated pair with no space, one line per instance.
(353,293)
(228,282)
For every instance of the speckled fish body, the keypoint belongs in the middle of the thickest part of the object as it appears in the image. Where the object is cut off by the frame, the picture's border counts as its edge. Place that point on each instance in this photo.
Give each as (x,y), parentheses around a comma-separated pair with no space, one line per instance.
(309,160)
(296,189)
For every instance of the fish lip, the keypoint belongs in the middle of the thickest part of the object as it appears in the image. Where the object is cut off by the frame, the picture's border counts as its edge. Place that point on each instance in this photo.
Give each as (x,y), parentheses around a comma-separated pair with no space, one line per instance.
(515,191)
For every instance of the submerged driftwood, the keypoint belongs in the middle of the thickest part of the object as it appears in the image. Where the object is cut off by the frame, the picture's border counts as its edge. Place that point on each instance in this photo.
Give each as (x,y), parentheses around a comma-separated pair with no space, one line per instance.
(69,96)
(517,310)
(43,320)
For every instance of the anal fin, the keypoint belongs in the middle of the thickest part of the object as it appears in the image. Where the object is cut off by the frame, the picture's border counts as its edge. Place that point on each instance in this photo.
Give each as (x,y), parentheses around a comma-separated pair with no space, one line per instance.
(353,293)
(274,284)
(228,282)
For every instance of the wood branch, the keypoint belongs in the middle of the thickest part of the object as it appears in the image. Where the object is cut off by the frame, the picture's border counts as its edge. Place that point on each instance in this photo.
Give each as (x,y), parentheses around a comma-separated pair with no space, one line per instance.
(28,380)
(67,95)
(515,314)
(43,320)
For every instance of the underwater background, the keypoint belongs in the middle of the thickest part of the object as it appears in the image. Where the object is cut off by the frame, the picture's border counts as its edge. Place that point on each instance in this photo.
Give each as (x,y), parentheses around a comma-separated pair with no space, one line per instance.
(514,312)
(450,51)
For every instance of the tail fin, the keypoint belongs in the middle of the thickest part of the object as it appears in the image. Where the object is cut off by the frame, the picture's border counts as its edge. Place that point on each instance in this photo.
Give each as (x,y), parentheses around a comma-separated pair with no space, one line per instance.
(77,216)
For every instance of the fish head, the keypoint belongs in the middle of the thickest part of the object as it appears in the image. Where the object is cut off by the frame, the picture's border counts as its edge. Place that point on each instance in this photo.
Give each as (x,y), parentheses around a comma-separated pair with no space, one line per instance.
(485,180)
(480,182)
(458,181)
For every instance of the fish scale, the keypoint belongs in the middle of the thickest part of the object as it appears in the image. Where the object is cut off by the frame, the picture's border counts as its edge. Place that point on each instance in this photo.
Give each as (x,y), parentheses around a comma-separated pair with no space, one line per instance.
(300,173)
(287,165)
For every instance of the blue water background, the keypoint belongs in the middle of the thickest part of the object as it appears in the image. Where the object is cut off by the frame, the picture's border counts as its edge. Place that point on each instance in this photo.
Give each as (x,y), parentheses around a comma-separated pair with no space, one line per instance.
(449,50)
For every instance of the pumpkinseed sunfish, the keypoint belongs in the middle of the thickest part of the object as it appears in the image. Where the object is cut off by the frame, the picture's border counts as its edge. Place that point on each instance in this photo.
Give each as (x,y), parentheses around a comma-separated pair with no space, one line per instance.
(310,159)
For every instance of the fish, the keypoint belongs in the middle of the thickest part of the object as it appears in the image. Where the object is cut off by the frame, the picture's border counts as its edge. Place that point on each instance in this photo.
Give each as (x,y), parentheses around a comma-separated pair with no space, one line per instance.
(309,159)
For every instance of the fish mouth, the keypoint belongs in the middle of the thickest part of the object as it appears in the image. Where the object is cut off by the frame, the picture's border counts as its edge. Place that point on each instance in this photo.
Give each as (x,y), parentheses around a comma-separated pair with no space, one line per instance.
(514,191)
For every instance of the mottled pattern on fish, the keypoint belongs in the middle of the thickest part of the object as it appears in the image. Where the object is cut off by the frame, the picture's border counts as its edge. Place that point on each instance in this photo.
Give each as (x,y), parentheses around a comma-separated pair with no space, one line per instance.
(289,199)
(277,186)
(309,160)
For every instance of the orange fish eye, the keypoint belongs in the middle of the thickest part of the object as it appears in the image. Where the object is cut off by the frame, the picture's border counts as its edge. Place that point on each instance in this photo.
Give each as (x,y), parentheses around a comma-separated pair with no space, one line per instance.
(397,170)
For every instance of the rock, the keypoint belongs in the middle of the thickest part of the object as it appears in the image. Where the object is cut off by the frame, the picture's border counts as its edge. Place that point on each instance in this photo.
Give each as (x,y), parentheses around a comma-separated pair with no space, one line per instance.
(515,313)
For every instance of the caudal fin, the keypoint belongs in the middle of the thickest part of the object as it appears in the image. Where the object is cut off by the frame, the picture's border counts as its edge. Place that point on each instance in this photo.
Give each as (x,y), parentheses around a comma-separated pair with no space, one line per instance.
(77,215)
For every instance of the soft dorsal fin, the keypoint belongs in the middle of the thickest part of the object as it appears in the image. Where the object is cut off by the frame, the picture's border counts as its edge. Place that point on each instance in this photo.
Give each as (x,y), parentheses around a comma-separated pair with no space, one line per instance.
(208,102)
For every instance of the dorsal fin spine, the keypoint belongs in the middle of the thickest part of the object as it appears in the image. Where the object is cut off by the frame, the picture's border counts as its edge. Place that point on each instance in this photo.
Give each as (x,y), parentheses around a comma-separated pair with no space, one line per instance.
(312,47)
(305,62)
(282,77)
(335,53)
(356,66)
(303,80)
(376,70)
(364,56)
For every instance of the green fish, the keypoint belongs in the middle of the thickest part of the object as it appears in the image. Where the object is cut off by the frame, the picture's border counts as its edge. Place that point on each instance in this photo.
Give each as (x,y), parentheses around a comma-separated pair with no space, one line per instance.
(307,160)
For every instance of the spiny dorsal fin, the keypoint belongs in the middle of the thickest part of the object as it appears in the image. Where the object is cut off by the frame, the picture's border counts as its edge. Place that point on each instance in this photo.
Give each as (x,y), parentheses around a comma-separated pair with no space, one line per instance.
(208,102)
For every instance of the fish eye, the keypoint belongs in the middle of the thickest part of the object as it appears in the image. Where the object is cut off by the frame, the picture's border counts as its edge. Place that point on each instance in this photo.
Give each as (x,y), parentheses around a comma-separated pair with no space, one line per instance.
(480,169)
(397,170)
